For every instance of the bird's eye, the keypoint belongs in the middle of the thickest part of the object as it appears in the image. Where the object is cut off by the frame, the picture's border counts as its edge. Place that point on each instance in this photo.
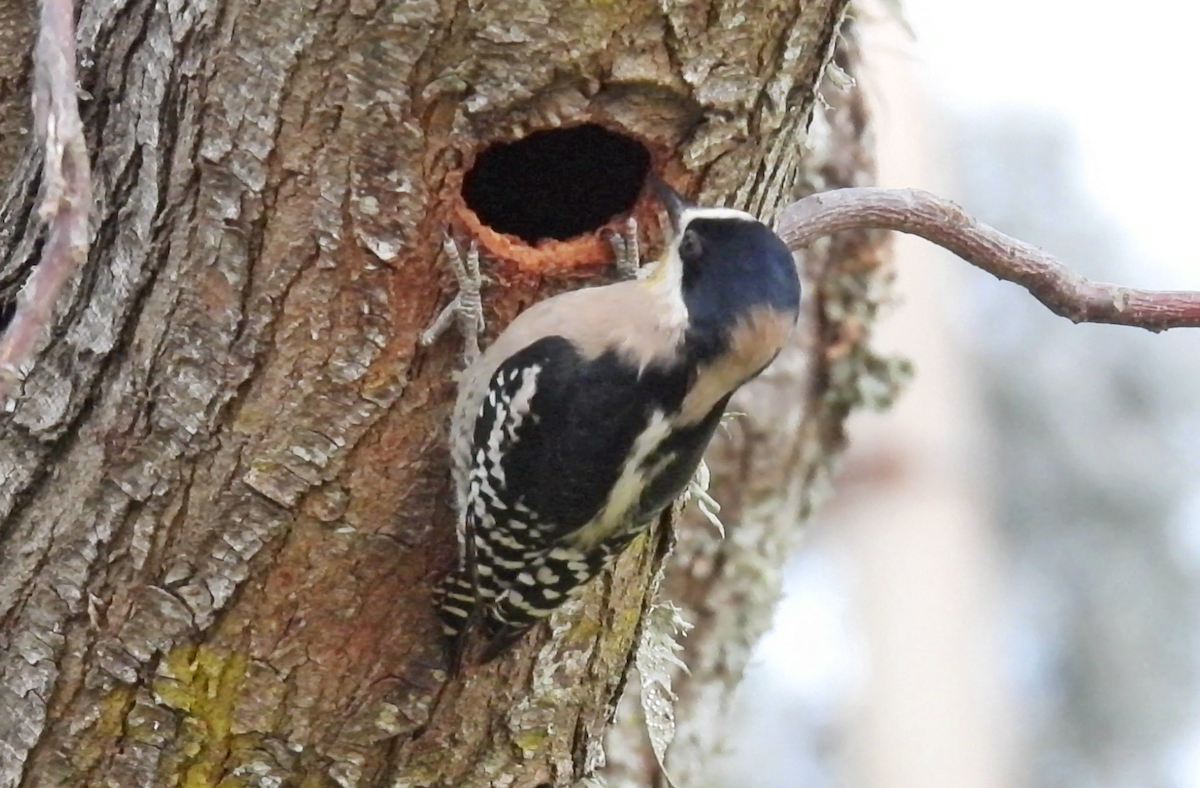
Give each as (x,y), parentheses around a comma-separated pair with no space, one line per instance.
(690,247)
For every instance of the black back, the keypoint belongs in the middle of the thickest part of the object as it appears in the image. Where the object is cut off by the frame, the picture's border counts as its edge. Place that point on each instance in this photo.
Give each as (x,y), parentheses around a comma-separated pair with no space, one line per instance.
(590,412)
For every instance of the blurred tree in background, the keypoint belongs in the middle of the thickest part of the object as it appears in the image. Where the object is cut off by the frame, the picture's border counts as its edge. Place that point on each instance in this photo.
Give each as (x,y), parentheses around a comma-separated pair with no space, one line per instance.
(1093,471)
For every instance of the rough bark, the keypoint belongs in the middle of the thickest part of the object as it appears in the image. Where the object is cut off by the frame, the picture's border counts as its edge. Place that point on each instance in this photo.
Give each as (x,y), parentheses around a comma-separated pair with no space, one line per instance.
(224,491)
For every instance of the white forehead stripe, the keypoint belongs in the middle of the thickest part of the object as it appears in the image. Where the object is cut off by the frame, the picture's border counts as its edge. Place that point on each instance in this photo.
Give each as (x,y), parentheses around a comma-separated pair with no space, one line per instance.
(697,212)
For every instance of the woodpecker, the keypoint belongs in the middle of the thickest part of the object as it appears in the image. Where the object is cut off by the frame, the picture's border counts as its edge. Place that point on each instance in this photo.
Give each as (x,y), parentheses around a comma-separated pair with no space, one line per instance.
(589,414)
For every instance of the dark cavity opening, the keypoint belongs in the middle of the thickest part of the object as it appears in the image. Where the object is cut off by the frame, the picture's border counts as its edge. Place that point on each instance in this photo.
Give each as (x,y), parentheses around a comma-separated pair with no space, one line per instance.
(557,183)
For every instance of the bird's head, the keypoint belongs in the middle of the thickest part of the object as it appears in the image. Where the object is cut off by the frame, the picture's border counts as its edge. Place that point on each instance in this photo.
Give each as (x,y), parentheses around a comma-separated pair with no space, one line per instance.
(723,263)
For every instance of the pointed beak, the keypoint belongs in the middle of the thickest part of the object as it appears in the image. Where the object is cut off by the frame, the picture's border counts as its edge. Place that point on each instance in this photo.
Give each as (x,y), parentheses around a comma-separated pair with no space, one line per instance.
(671,199)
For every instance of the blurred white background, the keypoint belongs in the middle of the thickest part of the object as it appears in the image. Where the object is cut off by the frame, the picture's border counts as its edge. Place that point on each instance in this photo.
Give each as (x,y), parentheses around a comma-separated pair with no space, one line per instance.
(1006,589)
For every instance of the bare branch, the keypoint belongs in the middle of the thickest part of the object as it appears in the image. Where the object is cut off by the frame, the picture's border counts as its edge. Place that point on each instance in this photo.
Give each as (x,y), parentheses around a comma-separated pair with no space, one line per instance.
(935,219)
(66,188)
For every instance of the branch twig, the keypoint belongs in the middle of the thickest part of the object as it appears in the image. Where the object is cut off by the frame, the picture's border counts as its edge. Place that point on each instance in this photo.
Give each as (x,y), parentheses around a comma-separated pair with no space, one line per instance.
(944,223)
(66,188)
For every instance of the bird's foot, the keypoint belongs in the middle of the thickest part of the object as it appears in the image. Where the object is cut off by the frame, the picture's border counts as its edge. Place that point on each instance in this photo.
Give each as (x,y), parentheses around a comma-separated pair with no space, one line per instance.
(697,490)
(467,307)
(626,250)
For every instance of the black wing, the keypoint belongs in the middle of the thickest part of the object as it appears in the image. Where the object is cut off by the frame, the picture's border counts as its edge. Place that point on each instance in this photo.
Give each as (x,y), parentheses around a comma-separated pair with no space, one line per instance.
(550,440)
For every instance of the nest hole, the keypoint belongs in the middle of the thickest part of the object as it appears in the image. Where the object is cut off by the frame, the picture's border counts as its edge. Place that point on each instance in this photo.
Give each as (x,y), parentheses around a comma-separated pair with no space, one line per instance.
(556,183)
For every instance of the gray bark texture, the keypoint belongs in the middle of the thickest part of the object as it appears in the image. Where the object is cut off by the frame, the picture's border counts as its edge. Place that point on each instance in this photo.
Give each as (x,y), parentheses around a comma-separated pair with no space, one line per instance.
(224,490)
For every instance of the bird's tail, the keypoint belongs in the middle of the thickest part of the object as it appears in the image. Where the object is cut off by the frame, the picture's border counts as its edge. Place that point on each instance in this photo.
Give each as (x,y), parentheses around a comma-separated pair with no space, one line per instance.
(456,602)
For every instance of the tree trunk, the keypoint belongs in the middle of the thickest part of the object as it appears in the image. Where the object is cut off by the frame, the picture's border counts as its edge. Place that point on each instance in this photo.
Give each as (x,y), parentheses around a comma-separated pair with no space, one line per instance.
(224,491)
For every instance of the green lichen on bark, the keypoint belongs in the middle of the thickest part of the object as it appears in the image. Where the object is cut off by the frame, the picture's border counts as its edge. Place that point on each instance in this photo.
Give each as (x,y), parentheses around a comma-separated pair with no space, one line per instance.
(204,684)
